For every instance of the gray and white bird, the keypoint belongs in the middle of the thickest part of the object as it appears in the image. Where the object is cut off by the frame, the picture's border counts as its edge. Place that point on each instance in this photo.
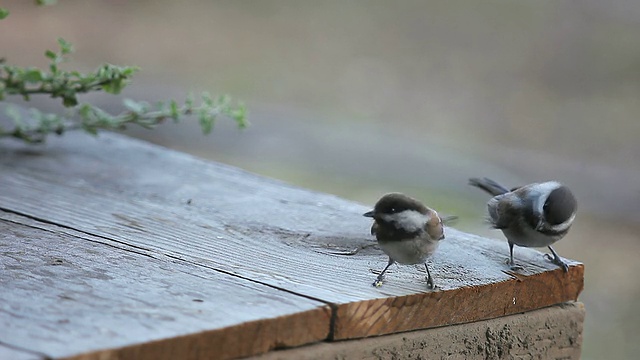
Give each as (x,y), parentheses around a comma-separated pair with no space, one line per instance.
(534,215)
(406,230)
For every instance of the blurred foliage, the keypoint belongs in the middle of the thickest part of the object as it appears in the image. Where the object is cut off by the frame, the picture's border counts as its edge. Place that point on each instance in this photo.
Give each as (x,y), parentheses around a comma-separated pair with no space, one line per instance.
(111,79)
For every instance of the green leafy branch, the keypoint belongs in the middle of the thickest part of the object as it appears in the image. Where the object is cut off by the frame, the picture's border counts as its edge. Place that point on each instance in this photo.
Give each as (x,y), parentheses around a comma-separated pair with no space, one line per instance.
(15,80)
(34,127)
(67,85)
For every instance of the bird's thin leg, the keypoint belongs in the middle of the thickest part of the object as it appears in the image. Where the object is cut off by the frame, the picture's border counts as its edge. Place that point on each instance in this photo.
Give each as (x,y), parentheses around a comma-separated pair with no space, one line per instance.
(512,264)
(380,277)
(429,278)
(557,260)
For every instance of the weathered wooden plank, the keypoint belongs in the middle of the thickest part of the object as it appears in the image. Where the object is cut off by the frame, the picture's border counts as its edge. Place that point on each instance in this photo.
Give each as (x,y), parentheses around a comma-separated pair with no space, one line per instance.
(550,333)
(71,296)
(11,353)
(224,218)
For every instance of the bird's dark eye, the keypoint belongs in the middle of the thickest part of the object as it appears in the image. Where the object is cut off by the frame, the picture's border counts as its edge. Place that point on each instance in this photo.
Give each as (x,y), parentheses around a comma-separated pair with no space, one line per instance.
(393,210)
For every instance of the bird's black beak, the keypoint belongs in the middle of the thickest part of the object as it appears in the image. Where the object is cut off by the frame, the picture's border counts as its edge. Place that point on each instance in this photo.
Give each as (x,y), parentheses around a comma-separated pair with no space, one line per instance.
(368,214)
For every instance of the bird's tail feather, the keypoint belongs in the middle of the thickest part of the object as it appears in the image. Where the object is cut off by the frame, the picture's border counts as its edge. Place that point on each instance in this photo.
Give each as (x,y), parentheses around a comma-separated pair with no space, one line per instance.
(488,185)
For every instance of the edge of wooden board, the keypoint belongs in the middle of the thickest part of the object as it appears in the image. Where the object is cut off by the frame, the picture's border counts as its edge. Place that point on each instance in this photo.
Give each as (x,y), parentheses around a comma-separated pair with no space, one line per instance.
(462,305)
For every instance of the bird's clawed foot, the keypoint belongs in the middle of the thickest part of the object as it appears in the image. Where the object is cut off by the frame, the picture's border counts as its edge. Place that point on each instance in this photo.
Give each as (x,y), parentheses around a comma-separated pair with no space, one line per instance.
(380,277)
(512,265)
(558,261)
(378,281)
(430,284)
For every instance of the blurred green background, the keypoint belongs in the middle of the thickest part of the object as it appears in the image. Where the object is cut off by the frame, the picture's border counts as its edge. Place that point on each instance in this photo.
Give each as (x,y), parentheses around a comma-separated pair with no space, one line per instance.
(360,98)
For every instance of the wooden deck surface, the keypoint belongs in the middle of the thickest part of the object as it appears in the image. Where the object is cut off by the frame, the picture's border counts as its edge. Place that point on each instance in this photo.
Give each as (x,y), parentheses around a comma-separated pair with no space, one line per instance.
(113,247)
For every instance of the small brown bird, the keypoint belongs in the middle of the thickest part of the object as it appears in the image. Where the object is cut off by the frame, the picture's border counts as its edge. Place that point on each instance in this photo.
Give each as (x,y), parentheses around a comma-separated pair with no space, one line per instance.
(407,231)
(533,215)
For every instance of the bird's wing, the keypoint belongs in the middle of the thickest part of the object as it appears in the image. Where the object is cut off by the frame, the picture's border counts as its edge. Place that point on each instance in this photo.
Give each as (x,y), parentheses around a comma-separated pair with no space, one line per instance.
(374,228)
(503,211)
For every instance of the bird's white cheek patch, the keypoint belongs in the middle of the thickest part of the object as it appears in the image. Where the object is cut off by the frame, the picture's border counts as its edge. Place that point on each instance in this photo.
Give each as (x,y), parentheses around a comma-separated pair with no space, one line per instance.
(408,220)
(543,190)
(564,226)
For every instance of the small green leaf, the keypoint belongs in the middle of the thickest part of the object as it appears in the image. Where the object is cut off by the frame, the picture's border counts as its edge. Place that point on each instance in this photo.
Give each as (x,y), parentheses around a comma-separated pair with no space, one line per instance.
(65,46)
(240,116)
(224,100)
(3,13)
(207,99)
(189,101)
(113,87)
(206,122)
(46,2)
(90,129)
(33,75)
(12,112)
(134,106)
(129,70)
(69,101)
(84,111)
(50,54)
(173,108)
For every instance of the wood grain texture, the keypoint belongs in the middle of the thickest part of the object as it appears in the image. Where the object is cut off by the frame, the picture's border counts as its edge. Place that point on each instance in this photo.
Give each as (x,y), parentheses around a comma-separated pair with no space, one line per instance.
(73,297)
(550,333)
(12,353)
(316,245)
